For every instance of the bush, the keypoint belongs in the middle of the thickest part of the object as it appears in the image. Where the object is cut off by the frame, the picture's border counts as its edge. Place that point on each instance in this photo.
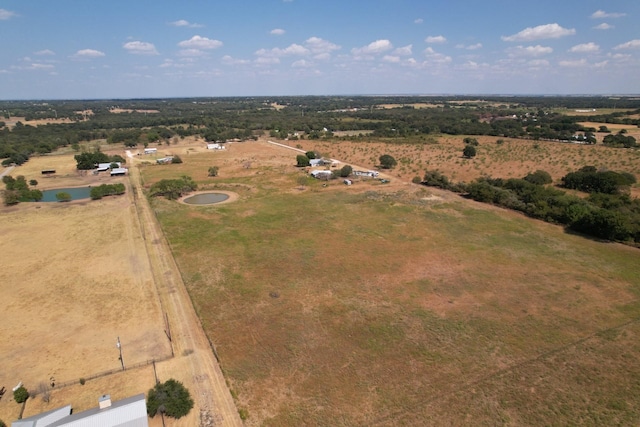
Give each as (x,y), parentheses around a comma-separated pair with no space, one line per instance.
(345,171)
(469,151)
(21,394)
(82,381)
(387,161)
(302,161)
(63,196)
(213,171)
(176,159)
(539,177)
(171,398)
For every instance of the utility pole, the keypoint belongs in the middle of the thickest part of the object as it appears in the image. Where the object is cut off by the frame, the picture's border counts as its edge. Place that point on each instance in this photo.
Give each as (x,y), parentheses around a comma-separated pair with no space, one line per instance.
(120,348)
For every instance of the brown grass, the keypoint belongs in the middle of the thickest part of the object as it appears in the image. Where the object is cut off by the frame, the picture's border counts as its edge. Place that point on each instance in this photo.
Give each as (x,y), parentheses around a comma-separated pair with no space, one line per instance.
(75,276)
(400,305)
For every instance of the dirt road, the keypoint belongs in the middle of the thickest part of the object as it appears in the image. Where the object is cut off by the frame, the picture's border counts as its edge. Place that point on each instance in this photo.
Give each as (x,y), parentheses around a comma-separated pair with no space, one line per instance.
(194,363)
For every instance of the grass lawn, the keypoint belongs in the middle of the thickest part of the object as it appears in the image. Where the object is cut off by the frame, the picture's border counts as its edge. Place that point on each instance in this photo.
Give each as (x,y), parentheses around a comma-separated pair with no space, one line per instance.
(381,305)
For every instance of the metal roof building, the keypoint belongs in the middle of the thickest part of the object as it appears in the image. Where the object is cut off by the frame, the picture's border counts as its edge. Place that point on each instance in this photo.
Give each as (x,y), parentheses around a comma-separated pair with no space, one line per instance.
(129,412)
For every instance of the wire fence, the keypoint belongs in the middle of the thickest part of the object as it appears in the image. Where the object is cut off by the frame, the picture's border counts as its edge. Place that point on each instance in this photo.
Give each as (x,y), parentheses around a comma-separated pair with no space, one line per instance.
(138,365)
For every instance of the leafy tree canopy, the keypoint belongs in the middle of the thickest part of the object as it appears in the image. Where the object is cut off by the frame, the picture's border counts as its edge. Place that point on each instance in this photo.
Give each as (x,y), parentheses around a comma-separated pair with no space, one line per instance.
(387,161)
(171,398)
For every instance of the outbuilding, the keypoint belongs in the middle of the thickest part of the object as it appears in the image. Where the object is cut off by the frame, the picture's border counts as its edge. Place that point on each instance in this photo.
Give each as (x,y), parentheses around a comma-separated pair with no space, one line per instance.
(151,150)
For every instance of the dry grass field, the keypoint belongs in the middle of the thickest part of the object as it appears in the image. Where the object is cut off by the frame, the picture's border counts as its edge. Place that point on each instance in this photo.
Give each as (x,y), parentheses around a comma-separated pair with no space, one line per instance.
(395,304)
(75,276)
(513,159)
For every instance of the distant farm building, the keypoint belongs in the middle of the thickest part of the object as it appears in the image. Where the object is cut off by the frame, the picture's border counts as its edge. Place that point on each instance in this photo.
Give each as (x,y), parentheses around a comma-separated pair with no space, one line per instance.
(321,174)
(129,412)
(103,167)
(165,160)
(150,150)
(48,171)
(215,146)
(316,162)
(371,174)
(118,171)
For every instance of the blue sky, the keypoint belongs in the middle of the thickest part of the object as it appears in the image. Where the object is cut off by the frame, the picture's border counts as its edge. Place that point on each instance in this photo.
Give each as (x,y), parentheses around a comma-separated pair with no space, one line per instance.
(72,49)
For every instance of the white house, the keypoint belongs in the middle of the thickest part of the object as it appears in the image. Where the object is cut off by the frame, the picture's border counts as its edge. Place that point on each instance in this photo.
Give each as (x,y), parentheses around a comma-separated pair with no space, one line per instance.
(151,150)
(321,174)
(316,162)
(106,166)
(118,171)
(129,412)
(215,146)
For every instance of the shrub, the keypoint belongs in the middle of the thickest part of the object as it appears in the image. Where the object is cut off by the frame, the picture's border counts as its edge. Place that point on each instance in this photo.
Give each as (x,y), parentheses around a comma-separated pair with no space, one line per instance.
(469,151)
(539,177)
(171,398)
(345,171)
(63,196)
(176,159)
(82,381)
(20,395)
(387,161)
(302,161)
(213,171)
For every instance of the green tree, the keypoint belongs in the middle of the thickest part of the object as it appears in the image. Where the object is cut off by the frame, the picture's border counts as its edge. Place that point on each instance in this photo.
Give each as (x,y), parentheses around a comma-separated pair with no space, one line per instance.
(387,161)
(2,424)
(33,182)
(170,398)
(539,177)
(310,155)
(176,159)
(345,171)
(472,141)
(20,395)
(213,171)
(469,151)
(302,161)
(63,196)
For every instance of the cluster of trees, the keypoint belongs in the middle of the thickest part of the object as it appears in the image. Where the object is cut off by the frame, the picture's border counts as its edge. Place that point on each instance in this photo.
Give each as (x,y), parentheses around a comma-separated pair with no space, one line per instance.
(106,190)
(611,215)
(590,180)
(216,119)
(620,140)
(89,160)
(17,190)
(173,189)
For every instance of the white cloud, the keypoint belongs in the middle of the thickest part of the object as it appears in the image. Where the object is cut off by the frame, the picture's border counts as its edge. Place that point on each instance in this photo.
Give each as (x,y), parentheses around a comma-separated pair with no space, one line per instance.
(320,46)
(435,39)
(601,14)
(6,14)
(585,48)
(434,56)
(538,63)
(632,44)
(529,50)
(229,60)
(548,31)
(373,48)
(199,42)
(265,60)
(301,63)
(469,47)
(576,63)
(276,52)
(184,23)
(44,52)
(603,26)
(418,21)
(140,48)
(277,31)
(391,58)
(404,51)
(88,53)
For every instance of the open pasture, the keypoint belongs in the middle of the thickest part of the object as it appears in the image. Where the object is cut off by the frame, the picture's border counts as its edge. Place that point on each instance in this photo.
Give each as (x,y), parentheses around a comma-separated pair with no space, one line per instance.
(74,278)
(514,158)
(402,305)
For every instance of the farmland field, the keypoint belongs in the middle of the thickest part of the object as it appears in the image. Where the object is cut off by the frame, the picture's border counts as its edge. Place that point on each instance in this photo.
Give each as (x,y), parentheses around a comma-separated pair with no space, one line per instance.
(395,304)
(75,278)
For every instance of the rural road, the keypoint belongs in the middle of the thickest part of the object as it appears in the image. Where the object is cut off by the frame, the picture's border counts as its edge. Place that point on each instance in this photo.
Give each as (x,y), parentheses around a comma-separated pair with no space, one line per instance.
(194,363)
(6,171)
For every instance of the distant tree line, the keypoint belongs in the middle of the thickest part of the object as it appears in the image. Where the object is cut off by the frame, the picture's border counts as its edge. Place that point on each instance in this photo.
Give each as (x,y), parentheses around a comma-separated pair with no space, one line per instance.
(607,213)
(17,190)
(173,189)
(106,190)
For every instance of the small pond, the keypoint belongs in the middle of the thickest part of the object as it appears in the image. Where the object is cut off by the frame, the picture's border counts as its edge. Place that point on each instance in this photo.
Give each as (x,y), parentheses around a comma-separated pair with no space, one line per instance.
(76,193)
(206,198)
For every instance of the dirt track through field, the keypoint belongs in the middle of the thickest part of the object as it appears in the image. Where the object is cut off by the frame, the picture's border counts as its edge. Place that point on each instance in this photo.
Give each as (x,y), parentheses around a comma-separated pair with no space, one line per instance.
(194,364)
